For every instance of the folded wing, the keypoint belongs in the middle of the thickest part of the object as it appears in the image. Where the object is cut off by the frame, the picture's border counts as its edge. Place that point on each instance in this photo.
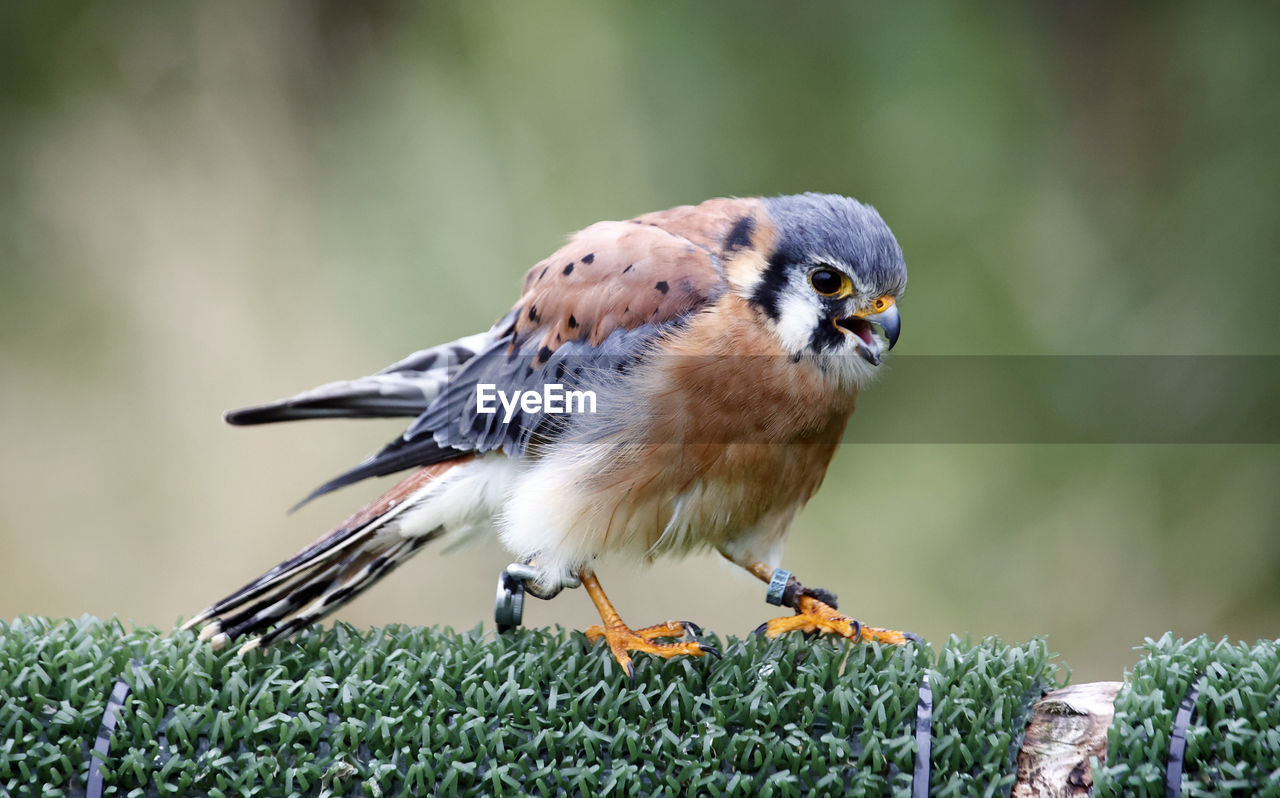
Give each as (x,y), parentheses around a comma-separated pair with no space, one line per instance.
(587,313)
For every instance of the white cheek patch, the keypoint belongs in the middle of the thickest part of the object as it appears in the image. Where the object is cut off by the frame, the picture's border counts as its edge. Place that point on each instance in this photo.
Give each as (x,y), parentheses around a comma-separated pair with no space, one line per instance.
(798,312)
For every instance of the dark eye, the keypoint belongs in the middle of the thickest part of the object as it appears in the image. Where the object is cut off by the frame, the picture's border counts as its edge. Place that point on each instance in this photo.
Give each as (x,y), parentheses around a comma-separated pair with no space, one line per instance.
(827,282)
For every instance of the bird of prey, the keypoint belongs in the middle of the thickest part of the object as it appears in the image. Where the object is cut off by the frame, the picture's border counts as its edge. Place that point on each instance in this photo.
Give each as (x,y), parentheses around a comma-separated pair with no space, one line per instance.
(722,346)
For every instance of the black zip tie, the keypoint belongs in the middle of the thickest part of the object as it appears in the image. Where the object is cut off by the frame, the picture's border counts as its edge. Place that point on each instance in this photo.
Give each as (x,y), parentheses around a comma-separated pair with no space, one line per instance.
(102,746)
(1178,739)
(924,740)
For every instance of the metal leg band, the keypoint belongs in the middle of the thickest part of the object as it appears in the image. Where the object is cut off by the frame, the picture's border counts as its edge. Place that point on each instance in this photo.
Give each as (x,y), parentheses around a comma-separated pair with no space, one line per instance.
(509,610)
(777,587)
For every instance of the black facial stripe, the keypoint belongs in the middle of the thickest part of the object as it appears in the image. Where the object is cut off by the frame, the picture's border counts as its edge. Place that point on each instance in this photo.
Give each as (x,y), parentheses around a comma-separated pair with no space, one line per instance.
(769,290)
(740,234)
(826,336)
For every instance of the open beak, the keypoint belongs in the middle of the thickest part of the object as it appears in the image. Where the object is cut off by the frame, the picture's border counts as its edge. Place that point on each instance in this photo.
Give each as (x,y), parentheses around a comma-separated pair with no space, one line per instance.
(883,313)
(887,320)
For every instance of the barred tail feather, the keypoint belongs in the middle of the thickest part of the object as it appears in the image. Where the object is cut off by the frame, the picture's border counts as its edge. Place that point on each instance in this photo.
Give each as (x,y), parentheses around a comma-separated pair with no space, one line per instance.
(299,605)
(328,573)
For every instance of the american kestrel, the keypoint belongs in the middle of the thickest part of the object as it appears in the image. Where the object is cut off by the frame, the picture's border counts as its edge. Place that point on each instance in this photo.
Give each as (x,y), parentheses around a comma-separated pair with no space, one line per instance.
(672,383)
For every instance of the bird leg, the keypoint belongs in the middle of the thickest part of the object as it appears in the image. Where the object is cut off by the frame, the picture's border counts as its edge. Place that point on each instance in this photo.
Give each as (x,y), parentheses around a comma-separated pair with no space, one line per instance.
(815,609)
(622,639)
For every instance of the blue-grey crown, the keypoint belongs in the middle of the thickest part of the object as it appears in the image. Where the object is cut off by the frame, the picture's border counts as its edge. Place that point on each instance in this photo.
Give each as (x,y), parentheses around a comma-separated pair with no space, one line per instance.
(814,225)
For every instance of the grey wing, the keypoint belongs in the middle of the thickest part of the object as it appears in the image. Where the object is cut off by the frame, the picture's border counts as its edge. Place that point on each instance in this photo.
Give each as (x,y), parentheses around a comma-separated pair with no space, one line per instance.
(587,314)
(453,425)
(455,419)
(405,388)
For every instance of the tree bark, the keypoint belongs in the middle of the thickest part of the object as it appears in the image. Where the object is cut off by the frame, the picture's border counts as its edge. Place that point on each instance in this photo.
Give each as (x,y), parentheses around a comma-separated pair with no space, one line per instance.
(1067,727)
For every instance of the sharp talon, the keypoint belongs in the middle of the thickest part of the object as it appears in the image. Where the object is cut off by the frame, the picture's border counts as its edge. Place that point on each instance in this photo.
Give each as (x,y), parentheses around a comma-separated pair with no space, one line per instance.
(815,617)
(691,627)
(712,650)
(914,638)
(761,629)
(622,640)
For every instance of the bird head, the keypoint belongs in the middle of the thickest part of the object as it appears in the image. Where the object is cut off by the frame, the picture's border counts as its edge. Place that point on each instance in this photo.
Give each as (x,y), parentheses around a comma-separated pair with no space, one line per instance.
(830,284)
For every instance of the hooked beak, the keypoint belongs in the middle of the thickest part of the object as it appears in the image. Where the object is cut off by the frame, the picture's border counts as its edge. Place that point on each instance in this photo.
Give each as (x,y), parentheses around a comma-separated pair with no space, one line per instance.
(883,313)
(888,320)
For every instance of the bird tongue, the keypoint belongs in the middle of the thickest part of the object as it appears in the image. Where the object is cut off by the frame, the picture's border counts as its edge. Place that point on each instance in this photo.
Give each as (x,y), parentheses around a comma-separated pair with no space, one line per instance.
(857,326)
(862,329)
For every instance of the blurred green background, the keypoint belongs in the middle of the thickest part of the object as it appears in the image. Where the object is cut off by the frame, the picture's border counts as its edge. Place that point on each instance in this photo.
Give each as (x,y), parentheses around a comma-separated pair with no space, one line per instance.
(209,205)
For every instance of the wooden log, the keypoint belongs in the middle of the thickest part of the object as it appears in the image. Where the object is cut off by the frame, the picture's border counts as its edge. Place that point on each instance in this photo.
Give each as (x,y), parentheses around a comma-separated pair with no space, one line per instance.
(1067,727)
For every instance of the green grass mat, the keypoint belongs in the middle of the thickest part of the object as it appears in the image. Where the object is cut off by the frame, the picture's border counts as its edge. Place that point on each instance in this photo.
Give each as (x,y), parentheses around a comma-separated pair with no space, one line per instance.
(425,711)
(1233,739)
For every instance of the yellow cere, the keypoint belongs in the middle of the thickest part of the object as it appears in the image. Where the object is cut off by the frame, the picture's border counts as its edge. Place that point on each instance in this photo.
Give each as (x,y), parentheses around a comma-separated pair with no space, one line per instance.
(878,305)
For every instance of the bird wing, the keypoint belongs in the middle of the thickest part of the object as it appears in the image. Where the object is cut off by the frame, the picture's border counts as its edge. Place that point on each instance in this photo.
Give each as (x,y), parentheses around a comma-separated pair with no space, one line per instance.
(588,311)
(405,388)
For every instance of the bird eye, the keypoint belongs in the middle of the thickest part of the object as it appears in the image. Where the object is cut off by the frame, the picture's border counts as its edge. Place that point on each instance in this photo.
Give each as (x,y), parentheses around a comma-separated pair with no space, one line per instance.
(828,282)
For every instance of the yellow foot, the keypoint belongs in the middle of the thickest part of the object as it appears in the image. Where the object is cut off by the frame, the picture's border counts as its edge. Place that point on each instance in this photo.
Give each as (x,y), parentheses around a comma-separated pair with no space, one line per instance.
(622,640)
(816,617)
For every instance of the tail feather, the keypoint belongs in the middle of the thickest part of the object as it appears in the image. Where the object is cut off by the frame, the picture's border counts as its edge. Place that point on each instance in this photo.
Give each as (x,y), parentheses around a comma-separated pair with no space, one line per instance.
(280,602)
(299,605)
(323,576)
(343,587)
(279,577)
(353,532)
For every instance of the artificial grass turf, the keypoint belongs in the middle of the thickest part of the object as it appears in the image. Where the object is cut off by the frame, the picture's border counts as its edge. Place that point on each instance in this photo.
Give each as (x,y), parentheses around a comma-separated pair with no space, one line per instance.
(1233,737)
(426,711)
